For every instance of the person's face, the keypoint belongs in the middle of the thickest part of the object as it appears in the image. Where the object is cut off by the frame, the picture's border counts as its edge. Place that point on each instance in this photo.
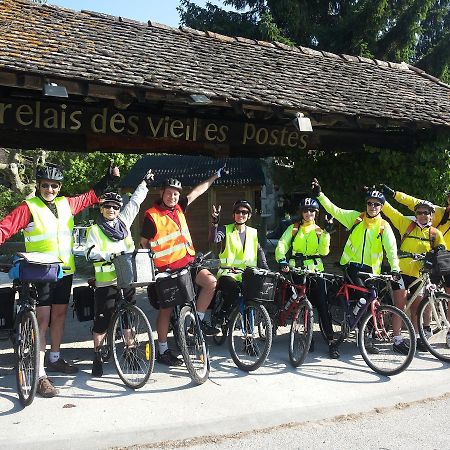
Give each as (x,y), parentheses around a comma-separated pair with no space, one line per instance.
(170,196)
(49,189)
(423,216)
(373,206)
(309,214)
(241,215)
(110,211)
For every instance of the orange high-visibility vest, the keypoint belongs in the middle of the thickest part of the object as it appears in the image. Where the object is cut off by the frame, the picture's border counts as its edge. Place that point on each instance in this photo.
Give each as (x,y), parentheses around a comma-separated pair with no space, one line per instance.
(171,242)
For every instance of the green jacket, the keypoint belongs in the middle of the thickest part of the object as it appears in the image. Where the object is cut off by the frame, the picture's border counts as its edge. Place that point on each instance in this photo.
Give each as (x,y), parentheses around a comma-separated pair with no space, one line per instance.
(367,240)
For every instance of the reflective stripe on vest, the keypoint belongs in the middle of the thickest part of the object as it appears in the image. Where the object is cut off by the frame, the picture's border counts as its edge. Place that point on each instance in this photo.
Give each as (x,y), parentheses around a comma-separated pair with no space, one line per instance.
(51,234)
(104,270)
(171,242)
(234,255)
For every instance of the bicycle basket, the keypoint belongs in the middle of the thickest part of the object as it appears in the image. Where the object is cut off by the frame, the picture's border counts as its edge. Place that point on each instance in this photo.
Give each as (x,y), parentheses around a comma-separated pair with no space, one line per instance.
(7,303)
(83,303)
(134,269)
(259,284)
(174,289)
(35,272)
(441,263)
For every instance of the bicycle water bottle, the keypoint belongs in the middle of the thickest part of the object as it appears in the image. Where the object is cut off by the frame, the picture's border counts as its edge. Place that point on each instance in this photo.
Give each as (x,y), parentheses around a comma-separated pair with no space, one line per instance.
(361,302)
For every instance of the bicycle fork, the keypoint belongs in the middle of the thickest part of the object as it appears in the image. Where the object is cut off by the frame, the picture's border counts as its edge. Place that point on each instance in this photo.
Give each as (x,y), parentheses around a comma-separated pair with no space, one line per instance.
(247,330)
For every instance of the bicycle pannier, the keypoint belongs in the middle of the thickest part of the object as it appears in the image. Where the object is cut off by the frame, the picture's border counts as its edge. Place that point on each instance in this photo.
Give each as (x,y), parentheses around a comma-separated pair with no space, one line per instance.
(7,305)
(134,269)
(441,264)
(83,303)
(259,284)
(174,289)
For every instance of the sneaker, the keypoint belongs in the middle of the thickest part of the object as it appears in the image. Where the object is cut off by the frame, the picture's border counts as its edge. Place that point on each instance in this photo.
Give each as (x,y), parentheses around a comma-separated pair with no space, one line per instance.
(168,359)
(97,366)
(61,366)
(208,330)
(427,331)
(420,345)
(333,351)
(46,389)
(371,349)
(402,348)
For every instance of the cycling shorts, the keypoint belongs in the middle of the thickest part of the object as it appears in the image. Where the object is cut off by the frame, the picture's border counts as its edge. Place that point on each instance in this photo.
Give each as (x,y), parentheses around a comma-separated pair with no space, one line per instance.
(54,293)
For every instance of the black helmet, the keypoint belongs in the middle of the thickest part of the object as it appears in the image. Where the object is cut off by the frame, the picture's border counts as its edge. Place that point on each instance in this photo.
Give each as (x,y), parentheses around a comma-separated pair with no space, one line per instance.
(111,197)
(307,203)
(425,204)
(173,183)
(243,203)
(373,193)
(49,172)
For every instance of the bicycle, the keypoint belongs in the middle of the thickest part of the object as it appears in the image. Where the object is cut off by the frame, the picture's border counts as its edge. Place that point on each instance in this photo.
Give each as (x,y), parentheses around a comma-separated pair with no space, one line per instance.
(433,308)
(175,288)
(24,334)
(293,304)
(129,338)
(373,322)
(247,326)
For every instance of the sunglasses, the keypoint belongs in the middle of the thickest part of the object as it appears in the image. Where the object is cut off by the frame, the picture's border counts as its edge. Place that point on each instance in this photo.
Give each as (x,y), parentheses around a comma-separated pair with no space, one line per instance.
(423,213)
(310,210)
(114,207)
(374,204)
(242,212)
(50,185)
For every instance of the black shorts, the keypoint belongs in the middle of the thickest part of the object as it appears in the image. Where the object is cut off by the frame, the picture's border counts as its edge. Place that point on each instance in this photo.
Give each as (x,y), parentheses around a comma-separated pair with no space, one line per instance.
(404,283)
(54,293)
(446,281)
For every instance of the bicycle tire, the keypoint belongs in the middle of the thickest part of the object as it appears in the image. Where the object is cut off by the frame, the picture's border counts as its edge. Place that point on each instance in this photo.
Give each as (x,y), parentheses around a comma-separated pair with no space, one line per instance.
(437,343)
(133,349)
(193,345)
(249,351)
(27,348)
(387,362)
(301,333)
(337,310)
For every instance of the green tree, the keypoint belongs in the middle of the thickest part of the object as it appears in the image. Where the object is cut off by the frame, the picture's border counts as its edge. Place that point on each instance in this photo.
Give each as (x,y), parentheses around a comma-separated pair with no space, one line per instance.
(414,31)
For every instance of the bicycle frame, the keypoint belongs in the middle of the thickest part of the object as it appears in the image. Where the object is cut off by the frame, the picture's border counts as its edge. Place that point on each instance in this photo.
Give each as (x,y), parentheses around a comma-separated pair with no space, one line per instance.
(284,314)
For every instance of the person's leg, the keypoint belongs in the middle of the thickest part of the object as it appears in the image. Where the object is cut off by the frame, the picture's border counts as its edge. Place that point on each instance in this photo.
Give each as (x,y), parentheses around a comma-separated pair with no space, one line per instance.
(207,282)
(60,302)
(229,288)
(163,354)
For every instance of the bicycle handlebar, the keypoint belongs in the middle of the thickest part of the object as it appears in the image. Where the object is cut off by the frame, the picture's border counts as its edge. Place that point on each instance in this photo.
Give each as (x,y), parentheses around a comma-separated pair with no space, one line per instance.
(381,276)
(415,256)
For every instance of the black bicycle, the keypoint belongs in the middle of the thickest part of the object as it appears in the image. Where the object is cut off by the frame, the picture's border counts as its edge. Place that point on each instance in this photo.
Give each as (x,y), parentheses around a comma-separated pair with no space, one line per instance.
(24,333)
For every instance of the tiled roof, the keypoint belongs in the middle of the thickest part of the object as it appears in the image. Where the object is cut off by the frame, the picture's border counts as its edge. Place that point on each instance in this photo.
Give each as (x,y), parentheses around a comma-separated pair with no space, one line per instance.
(119,52)
(192,170)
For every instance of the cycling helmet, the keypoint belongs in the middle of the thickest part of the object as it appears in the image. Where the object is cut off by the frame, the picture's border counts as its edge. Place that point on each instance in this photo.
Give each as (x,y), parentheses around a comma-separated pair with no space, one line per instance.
(173,183)
(308,203)
(49,172)
(243,203)
(425,204)
(111,197)
(373,193)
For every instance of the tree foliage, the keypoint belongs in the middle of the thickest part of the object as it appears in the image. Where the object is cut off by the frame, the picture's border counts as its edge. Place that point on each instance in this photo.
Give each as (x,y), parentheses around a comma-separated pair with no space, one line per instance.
(414,31)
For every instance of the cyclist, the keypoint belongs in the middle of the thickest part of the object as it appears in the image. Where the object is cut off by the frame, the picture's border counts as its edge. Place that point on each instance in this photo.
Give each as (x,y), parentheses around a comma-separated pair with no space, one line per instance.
(307,243)
(368,236)
(166,232)
(239,249)
(47,223)
(111,235)
(418,236)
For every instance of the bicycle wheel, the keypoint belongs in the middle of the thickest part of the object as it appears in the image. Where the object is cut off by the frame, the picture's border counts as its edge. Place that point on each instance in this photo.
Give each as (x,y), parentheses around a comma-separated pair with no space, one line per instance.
(337,309)
(377,334)
(193,345)
(27,347)
(301,333)
(132,345)
(248,348)
(437,343)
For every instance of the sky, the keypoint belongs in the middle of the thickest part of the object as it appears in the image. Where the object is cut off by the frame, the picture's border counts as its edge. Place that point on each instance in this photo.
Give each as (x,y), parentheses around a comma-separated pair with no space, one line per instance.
(162,11)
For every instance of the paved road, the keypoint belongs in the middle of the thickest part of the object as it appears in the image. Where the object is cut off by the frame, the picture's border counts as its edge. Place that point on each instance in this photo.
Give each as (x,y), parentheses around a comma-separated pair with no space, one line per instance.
(103,413)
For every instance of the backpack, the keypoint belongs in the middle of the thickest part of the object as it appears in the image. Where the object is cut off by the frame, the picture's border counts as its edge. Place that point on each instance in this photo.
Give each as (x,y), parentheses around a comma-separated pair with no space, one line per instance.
(360,218)
(409,230)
